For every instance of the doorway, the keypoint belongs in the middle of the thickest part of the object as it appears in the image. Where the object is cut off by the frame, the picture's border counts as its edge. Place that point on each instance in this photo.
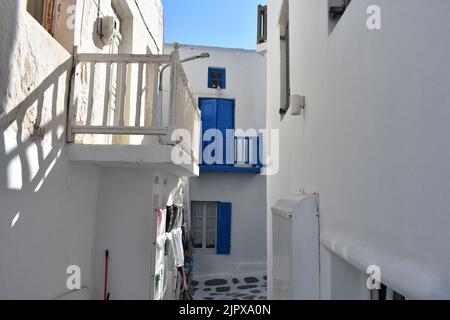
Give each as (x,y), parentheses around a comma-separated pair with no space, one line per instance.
(217,114)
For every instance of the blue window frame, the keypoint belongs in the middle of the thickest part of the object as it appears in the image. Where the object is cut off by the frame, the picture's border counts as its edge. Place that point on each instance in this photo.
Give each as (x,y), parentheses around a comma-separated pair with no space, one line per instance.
(217,78)
(239,156)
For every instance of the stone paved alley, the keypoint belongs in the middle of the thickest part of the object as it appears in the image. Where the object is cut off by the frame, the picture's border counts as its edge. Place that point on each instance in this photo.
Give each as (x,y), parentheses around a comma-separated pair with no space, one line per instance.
(242,287)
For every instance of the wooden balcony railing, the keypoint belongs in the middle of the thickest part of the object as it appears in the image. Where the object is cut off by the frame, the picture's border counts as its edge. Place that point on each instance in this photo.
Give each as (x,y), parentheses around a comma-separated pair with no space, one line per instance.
(117,95)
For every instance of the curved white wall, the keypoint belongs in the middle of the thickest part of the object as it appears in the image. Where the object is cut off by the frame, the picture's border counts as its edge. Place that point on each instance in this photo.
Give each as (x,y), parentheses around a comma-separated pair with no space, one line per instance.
(374,138)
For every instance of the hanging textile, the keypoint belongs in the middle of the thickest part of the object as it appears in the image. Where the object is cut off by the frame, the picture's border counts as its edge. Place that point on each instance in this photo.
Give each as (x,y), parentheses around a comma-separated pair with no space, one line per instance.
(171,219)
(173,271)
(161,238)
(176,197)
(175,236)
(178,250)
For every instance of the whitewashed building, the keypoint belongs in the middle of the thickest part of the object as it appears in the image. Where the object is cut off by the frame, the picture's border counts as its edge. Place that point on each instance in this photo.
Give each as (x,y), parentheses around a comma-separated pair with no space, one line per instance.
(367,158)
(84,155)
(228,199)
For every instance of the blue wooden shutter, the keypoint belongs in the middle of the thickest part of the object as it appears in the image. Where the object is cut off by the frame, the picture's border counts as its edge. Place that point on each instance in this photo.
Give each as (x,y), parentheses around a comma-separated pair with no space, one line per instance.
(225,121)
(209,119)
(209,113)
(224,228)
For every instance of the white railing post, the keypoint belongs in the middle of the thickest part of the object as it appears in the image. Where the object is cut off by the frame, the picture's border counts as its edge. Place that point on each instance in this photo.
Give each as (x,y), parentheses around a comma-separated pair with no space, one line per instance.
(137,120)
(73,100)
(91,94)
(122,92)
(107,98)
(157,99)
(174,91)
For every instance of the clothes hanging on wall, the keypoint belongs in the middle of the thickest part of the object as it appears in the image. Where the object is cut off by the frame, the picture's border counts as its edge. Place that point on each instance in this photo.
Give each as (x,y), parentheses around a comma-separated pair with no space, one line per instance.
(170,218)
(176,197)
(175,236)
(170,250)
(177,247)
(160,279)
(174,218)
(161,222)
(180,217)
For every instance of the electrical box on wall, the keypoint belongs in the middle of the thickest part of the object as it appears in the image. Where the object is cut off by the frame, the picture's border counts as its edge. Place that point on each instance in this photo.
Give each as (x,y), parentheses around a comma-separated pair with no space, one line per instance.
(295,236)
(297,104)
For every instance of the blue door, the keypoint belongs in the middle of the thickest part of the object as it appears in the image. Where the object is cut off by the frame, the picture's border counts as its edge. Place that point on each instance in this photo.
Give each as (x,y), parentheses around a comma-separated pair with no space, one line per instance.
(217,114)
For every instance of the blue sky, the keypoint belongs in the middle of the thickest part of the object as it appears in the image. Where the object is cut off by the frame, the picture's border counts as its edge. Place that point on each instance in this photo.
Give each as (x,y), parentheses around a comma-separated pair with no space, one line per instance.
(221,23)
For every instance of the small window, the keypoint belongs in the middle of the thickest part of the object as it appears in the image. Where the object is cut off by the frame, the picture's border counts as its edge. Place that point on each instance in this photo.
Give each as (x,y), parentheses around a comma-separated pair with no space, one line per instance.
(211,225)
(205,225)
(217,78)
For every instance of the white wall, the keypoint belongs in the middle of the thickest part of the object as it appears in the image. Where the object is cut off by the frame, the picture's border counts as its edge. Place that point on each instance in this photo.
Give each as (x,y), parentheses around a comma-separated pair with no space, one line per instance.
(125,226)
(48,205)
(142,33)
(373,139)
(153,19)
(246,73)
(53,201)
(248,225)
(247,192)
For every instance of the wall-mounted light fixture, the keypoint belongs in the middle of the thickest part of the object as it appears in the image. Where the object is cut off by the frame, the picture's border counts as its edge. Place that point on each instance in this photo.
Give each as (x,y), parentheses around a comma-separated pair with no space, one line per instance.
(108,29)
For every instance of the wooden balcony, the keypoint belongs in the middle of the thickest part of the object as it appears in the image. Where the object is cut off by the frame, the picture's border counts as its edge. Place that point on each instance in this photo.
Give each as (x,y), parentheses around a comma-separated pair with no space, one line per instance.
(115,102)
